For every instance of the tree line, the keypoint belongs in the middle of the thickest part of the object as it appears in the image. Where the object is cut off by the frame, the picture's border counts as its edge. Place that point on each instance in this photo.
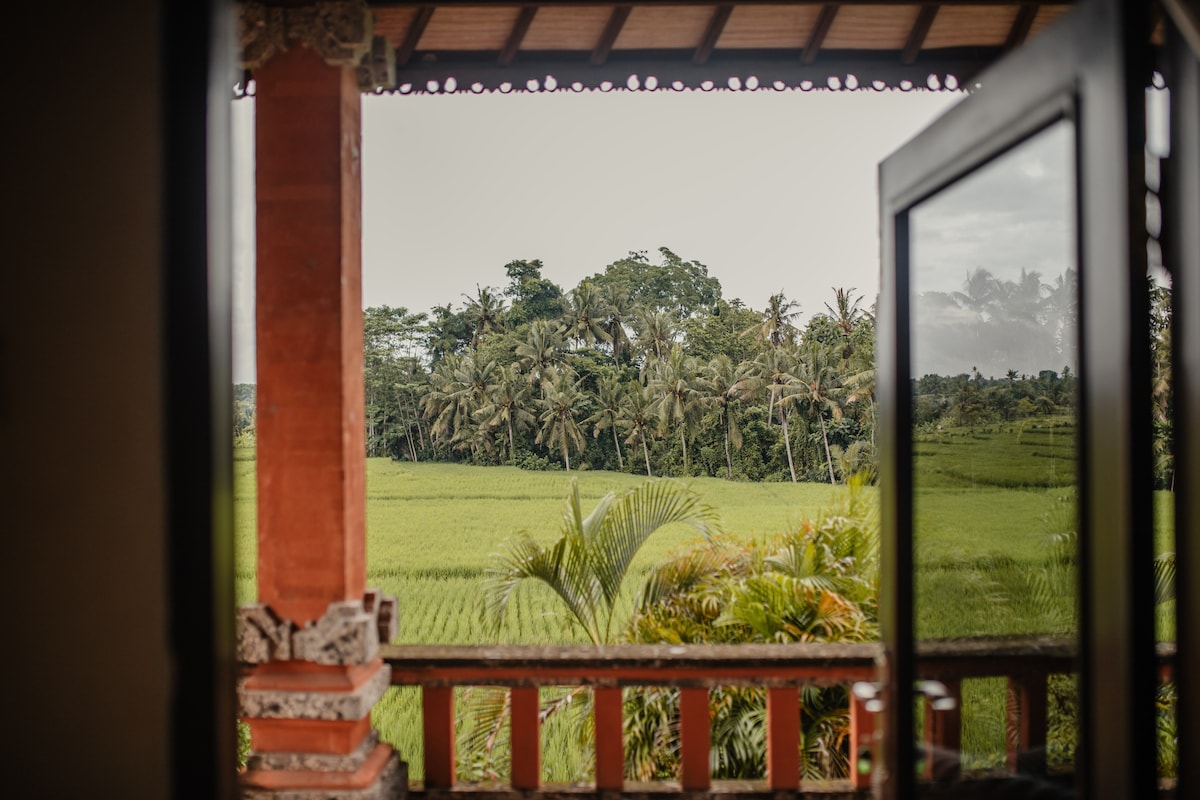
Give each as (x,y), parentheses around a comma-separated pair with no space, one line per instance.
(646,368)
(643,368)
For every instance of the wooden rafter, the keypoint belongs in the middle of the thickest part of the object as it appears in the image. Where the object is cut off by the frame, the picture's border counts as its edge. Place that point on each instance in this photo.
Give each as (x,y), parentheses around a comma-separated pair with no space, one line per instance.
(416,30)
(517,34)
(660,3)
(612,29)
(820,30)
(1021,27)
(716,25)
(916,37)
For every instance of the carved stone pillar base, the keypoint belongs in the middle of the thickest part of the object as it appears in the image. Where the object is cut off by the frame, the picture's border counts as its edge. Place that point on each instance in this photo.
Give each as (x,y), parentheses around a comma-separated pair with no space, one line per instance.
(382,776)
(307,697)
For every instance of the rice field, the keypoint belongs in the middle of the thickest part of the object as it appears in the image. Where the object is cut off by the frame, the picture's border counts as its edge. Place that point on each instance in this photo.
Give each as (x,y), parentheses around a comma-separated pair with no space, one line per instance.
(988,506)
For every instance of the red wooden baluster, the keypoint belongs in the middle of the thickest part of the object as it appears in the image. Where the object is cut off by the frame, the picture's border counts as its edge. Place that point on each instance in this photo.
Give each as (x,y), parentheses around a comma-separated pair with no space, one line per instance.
(783,738)
(1026,723)
(438,713)
(694,734)
(526,738)
(943,736)
(862,739)
(610,747)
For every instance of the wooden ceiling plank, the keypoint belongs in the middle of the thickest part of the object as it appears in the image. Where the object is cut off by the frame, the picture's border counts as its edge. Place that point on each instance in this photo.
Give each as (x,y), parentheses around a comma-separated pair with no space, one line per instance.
(920,29)
(612,30)
(819,32)
(716,26)
(1021,26)
(387,4)
(517,34)
(416,30)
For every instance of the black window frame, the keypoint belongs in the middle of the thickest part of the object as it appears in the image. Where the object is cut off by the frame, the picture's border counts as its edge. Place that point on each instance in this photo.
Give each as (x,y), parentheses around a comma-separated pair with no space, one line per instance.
(1092,67)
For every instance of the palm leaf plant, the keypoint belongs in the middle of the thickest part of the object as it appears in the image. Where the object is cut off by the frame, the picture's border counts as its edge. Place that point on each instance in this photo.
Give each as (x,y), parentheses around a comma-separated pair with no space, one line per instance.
(586,568)
(587,565)
(817,583)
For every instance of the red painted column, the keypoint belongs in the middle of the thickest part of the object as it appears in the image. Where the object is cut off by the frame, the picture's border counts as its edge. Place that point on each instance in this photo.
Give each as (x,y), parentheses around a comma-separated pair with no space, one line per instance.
(308,698)
(311,495)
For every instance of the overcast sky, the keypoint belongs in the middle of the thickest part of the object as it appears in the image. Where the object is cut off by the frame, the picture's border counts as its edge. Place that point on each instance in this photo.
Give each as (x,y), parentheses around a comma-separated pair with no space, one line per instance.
(1015,214)
(771,190)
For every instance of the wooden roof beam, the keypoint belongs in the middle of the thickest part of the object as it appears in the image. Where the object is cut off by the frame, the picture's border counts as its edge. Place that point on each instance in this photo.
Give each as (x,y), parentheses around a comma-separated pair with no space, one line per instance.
(716,25)
(520,27)
(920,29)
(820,30)
(416,30)
(612,29)
(1021,27)
(710,3)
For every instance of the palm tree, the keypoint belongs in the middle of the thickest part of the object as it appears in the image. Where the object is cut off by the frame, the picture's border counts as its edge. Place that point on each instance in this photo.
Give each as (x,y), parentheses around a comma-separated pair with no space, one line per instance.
(445,404)
(584,318)
(484,313)
(777,326)
(674,381)
(587,566)
(610,398)
(719,391)
(817,392)
(617,307)
(560,431)
(507,405)
(655,332)
(540,354)
(639,418)
(846,313)
(772,373)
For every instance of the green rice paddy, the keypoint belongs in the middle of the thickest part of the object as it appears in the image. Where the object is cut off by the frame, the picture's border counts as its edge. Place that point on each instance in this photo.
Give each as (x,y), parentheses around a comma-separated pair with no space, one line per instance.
(992,508)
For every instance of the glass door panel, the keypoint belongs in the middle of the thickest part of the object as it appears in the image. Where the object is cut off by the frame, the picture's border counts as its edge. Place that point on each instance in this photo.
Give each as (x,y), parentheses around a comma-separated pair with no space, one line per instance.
(994,363)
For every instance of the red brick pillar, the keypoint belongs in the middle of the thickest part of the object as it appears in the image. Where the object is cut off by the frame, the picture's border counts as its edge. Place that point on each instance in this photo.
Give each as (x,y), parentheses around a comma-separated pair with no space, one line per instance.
(313,637)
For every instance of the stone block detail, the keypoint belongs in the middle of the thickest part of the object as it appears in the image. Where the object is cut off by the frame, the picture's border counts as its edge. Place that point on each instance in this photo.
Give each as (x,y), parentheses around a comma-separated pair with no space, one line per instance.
(348,633)
(261,636)
(389,618)
(340,31)
(280,704)
(377,70)
(345,635)
(315,762)
(392,784)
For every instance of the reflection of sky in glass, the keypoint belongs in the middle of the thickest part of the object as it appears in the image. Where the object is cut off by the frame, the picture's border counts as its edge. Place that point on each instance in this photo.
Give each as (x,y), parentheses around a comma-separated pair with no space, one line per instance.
(993,265)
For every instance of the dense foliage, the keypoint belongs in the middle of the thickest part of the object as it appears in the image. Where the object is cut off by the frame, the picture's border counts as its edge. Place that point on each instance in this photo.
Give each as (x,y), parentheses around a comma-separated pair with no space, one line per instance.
(643,368)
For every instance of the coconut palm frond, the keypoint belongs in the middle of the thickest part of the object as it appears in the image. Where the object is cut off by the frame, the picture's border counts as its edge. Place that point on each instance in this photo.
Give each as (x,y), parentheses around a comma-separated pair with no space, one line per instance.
(630,522)
(483,739)
(562,568)
(682,575)
(1164,578)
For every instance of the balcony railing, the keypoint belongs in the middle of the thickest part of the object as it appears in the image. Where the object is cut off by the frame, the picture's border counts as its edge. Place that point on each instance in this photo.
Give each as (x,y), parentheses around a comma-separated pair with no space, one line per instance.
(779,669)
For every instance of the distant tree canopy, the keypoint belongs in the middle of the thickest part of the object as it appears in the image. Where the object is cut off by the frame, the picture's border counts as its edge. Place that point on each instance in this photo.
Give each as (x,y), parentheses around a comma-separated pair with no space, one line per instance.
(683,288)
(646,368)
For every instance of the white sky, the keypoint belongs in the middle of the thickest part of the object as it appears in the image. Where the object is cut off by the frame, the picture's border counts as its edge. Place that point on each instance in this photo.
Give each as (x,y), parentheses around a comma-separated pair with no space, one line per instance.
(771,190)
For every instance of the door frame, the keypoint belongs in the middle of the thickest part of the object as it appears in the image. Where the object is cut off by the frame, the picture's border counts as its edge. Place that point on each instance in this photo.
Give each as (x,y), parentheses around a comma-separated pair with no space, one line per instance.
(1091,66)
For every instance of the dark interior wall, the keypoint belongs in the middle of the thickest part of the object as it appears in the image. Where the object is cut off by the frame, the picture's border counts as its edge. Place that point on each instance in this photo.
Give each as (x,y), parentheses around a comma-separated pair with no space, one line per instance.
(86,668)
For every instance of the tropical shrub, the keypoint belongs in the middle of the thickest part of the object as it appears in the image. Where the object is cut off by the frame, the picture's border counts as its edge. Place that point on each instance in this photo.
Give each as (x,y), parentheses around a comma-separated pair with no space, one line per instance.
(817,583)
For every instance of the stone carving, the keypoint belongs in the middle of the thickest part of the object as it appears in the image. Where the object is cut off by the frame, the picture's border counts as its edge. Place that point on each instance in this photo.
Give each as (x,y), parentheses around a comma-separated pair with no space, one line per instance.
(348,633)
(386,611)
(315,762)
(282,704)
(261,636)
(392,784)
(377,70)
(345,635)
(337,30)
